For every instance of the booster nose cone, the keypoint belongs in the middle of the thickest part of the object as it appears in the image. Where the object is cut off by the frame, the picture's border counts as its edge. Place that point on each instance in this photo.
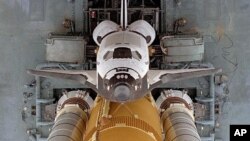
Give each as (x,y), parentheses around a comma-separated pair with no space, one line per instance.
(122,93)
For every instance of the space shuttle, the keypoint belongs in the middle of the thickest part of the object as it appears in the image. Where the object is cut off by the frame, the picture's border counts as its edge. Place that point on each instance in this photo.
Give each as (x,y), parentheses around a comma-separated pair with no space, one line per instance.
(124,108)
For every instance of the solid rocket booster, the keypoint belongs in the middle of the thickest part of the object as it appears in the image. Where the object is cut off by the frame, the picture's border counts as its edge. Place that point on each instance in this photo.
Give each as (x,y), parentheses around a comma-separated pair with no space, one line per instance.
(177,116)
(72,117)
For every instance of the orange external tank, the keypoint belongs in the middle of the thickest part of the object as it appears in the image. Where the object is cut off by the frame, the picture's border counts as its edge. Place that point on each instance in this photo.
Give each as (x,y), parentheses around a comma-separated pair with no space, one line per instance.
(134,121)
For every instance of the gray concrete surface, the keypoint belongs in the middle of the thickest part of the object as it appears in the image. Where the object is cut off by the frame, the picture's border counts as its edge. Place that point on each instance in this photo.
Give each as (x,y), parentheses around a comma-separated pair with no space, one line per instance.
(24,25)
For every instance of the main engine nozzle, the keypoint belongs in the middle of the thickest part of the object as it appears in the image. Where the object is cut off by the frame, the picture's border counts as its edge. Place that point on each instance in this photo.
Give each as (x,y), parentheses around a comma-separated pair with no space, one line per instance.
(122,93)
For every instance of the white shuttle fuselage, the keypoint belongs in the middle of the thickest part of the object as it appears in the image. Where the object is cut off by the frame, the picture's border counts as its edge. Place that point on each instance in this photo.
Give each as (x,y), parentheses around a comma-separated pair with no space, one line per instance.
(122,58)
(132,53)
(122,63)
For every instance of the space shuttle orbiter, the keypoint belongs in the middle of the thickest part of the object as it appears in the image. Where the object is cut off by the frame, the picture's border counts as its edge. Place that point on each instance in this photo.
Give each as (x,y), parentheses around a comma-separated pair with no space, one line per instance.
(122,72)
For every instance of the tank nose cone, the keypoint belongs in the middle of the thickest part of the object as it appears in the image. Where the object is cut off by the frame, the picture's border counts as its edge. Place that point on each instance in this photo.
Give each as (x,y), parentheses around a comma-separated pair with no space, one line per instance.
(122,93)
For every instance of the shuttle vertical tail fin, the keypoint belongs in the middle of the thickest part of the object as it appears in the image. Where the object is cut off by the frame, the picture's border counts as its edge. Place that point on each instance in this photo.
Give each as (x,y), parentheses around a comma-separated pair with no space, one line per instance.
(124,14)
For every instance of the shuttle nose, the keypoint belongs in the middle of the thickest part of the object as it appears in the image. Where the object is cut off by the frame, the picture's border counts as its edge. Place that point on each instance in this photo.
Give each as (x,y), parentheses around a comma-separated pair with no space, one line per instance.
(122,93)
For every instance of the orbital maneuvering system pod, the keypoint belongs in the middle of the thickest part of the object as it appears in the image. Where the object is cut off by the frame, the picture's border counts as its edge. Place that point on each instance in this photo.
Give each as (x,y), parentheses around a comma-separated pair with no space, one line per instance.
(124,109)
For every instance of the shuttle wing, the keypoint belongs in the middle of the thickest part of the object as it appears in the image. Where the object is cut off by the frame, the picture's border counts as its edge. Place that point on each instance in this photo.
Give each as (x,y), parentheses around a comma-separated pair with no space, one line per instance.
(84,77)
(159,77)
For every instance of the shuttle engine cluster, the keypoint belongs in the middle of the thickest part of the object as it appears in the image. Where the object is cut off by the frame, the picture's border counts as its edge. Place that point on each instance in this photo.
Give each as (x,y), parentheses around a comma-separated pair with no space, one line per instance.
(170,118)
